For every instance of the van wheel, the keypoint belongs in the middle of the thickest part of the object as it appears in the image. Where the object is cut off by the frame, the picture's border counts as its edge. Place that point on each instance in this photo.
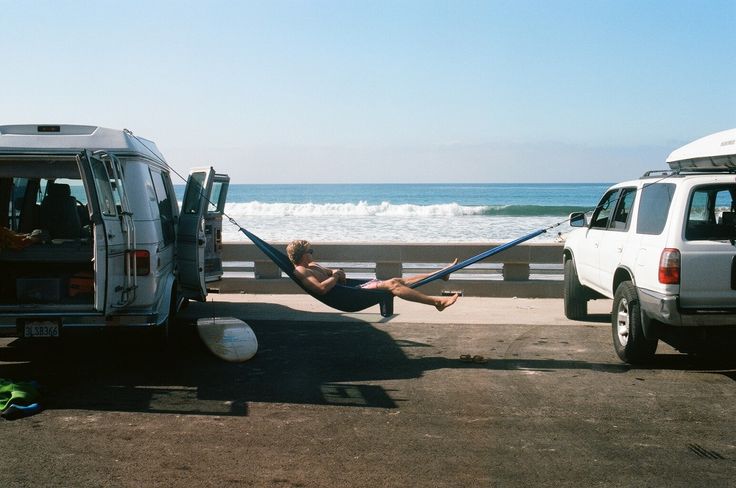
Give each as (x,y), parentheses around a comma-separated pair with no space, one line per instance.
(626,326)
(576,303)
(162,332)
(160,335)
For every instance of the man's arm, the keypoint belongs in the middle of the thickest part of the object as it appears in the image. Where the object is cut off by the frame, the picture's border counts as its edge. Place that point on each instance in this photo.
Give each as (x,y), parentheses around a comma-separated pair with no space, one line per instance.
(311,283)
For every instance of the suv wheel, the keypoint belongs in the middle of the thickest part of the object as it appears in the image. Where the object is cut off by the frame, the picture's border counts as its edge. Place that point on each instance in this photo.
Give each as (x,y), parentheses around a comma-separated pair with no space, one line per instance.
(628,334)
(576,303)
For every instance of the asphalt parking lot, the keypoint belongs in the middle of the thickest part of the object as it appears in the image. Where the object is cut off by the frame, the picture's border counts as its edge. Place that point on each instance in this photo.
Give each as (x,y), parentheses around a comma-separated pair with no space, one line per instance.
(335,400)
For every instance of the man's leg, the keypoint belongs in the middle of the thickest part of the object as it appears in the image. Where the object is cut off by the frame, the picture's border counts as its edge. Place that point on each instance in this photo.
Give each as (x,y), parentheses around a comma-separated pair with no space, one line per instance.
(399,289)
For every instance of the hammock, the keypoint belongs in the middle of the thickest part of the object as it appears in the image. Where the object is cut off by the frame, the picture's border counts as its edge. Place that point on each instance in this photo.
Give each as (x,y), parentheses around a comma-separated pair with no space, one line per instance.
(349,297)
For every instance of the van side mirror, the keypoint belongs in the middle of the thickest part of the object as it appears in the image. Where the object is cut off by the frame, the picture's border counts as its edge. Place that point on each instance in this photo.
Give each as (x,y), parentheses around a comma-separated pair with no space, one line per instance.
(577,219)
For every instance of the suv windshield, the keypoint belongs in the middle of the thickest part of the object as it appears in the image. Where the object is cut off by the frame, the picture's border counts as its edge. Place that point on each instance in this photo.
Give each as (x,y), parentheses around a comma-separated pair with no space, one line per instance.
(711,213)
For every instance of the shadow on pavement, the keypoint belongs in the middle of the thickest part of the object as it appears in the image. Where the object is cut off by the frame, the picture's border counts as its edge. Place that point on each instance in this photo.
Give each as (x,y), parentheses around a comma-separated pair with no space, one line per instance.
(601,318)
(309,362)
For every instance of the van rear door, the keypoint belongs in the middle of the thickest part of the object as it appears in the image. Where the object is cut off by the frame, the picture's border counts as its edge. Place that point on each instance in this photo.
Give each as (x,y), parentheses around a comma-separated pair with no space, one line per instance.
(113,235)
(213,228)
(191,237)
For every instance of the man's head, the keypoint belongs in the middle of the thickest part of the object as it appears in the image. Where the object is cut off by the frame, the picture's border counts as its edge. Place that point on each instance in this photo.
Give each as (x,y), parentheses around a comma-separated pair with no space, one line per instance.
(296,250)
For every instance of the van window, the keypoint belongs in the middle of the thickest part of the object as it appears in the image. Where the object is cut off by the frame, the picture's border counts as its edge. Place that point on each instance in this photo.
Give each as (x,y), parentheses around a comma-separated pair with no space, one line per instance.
(194,198)
(18,187)
(25,198)
(164,200)
(215,196)
(104,190)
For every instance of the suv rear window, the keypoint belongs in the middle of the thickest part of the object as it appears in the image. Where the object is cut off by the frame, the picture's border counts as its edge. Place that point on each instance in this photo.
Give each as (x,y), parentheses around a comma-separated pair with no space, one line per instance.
(654,207)
(711,212)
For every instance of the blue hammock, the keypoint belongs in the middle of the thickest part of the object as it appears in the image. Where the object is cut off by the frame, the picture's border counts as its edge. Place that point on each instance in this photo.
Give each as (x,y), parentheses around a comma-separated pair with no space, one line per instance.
(349,297)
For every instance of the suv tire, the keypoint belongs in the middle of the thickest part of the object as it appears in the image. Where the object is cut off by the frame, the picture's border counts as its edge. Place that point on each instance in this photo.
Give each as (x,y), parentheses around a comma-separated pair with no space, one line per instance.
(576,303)
(626,326)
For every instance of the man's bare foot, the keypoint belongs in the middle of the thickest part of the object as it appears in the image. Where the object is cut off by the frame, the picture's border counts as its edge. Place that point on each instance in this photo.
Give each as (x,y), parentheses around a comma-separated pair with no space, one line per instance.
(445,278)
(444,302)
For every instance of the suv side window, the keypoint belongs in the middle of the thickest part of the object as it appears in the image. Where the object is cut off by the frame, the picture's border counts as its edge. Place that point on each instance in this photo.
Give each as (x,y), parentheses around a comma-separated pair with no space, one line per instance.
(603,211)
(654,207)
(623,211)
(710,214)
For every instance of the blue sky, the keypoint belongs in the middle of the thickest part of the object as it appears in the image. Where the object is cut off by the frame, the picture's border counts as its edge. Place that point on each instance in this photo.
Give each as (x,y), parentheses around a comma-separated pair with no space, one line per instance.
(374,91)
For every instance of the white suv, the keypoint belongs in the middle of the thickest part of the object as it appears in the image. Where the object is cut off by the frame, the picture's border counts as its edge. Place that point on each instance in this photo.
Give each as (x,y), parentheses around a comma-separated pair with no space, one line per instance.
(663,247)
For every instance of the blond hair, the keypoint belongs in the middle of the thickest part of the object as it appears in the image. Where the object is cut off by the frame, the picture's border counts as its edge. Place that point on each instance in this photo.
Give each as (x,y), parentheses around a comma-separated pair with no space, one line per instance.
(296,250)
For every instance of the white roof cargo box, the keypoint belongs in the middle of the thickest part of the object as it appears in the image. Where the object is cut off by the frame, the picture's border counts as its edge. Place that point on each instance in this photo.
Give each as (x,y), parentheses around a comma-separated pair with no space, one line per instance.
(713,152)
(74,137)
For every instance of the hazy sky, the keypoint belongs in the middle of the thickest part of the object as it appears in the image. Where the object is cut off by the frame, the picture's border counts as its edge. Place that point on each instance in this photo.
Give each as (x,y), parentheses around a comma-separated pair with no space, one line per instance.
(381,91)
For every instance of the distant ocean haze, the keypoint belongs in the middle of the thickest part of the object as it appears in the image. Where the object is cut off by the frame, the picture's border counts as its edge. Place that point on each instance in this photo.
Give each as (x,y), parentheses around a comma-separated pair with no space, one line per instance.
(403,212)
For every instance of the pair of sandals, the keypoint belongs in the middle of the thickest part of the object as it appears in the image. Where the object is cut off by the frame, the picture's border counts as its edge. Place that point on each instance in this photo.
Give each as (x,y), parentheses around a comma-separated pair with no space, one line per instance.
(478,359)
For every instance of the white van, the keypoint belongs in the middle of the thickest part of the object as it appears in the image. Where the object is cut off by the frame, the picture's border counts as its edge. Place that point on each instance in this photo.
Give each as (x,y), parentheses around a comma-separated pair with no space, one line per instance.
(112,247)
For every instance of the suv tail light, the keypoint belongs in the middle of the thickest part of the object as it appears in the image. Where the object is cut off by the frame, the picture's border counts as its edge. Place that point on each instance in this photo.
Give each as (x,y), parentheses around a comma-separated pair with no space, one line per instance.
(142,262)
(669,267)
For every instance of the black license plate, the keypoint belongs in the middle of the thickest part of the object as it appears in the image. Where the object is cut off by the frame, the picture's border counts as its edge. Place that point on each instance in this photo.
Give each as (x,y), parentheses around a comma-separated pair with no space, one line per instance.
(41,328)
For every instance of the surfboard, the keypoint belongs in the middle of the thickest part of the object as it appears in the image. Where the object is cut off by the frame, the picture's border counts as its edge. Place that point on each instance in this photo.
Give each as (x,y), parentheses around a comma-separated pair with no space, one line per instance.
(228,338)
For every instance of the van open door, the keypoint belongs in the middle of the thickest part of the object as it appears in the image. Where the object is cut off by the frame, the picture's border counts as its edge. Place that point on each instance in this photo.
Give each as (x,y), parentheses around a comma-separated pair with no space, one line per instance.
(191,238)
(113,230)
(213,228)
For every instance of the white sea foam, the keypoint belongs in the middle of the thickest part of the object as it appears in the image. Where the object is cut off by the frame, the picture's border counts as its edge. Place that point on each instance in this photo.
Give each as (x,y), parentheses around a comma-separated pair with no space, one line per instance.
(360,209)
(350,228)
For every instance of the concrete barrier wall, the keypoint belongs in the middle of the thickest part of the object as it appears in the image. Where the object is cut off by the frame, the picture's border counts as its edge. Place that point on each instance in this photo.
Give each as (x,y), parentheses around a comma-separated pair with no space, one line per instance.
(527,270)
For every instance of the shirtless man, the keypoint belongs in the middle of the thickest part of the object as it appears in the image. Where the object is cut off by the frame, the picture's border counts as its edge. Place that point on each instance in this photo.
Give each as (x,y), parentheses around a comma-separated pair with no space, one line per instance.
(320,280)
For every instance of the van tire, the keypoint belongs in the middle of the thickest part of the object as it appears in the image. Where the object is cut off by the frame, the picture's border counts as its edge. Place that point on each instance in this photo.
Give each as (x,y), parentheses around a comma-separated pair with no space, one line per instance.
(160,335)
(574,294)
(162,332)
(626,327)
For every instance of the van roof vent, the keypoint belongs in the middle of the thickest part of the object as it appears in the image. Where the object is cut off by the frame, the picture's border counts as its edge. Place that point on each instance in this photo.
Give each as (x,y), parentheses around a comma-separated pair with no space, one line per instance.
(52,129)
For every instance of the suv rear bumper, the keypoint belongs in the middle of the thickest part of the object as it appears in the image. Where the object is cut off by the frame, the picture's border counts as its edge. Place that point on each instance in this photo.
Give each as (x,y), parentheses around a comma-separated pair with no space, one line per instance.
(666,309)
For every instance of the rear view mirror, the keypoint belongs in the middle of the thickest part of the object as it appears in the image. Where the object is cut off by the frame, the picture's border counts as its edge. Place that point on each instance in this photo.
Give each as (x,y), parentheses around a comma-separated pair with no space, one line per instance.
(577,219)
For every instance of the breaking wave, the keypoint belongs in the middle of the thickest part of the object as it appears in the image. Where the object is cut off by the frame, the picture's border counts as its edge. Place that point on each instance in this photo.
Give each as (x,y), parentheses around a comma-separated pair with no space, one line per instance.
(386,209)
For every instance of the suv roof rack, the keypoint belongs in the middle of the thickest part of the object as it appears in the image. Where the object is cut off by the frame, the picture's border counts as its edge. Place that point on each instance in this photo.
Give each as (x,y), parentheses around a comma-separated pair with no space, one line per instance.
(658,172)
(688,171)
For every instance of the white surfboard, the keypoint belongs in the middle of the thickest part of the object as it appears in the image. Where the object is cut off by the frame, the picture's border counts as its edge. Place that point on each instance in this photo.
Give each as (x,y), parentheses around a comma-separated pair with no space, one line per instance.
(228,338)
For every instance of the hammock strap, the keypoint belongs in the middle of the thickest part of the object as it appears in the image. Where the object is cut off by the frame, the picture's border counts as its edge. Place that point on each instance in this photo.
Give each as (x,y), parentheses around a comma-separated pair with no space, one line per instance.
(476,258)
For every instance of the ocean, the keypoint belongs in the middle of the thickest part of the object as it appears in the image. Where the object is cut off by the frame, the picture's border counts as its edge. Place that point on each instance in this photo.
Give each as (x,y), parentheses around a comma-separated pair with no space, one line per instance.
(404,212)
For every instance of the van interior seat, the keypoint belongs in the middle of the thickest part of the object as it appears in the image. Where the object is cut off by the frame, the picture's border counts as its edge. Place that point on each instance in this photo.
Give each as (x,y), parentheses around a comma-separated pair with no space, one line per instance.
(59,214)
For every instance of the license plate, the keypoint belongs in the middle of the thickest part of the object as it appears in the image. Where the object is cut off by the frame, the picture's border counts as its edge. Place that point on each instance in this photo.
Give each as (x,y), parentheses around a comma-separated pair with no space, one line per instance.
(41,328)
